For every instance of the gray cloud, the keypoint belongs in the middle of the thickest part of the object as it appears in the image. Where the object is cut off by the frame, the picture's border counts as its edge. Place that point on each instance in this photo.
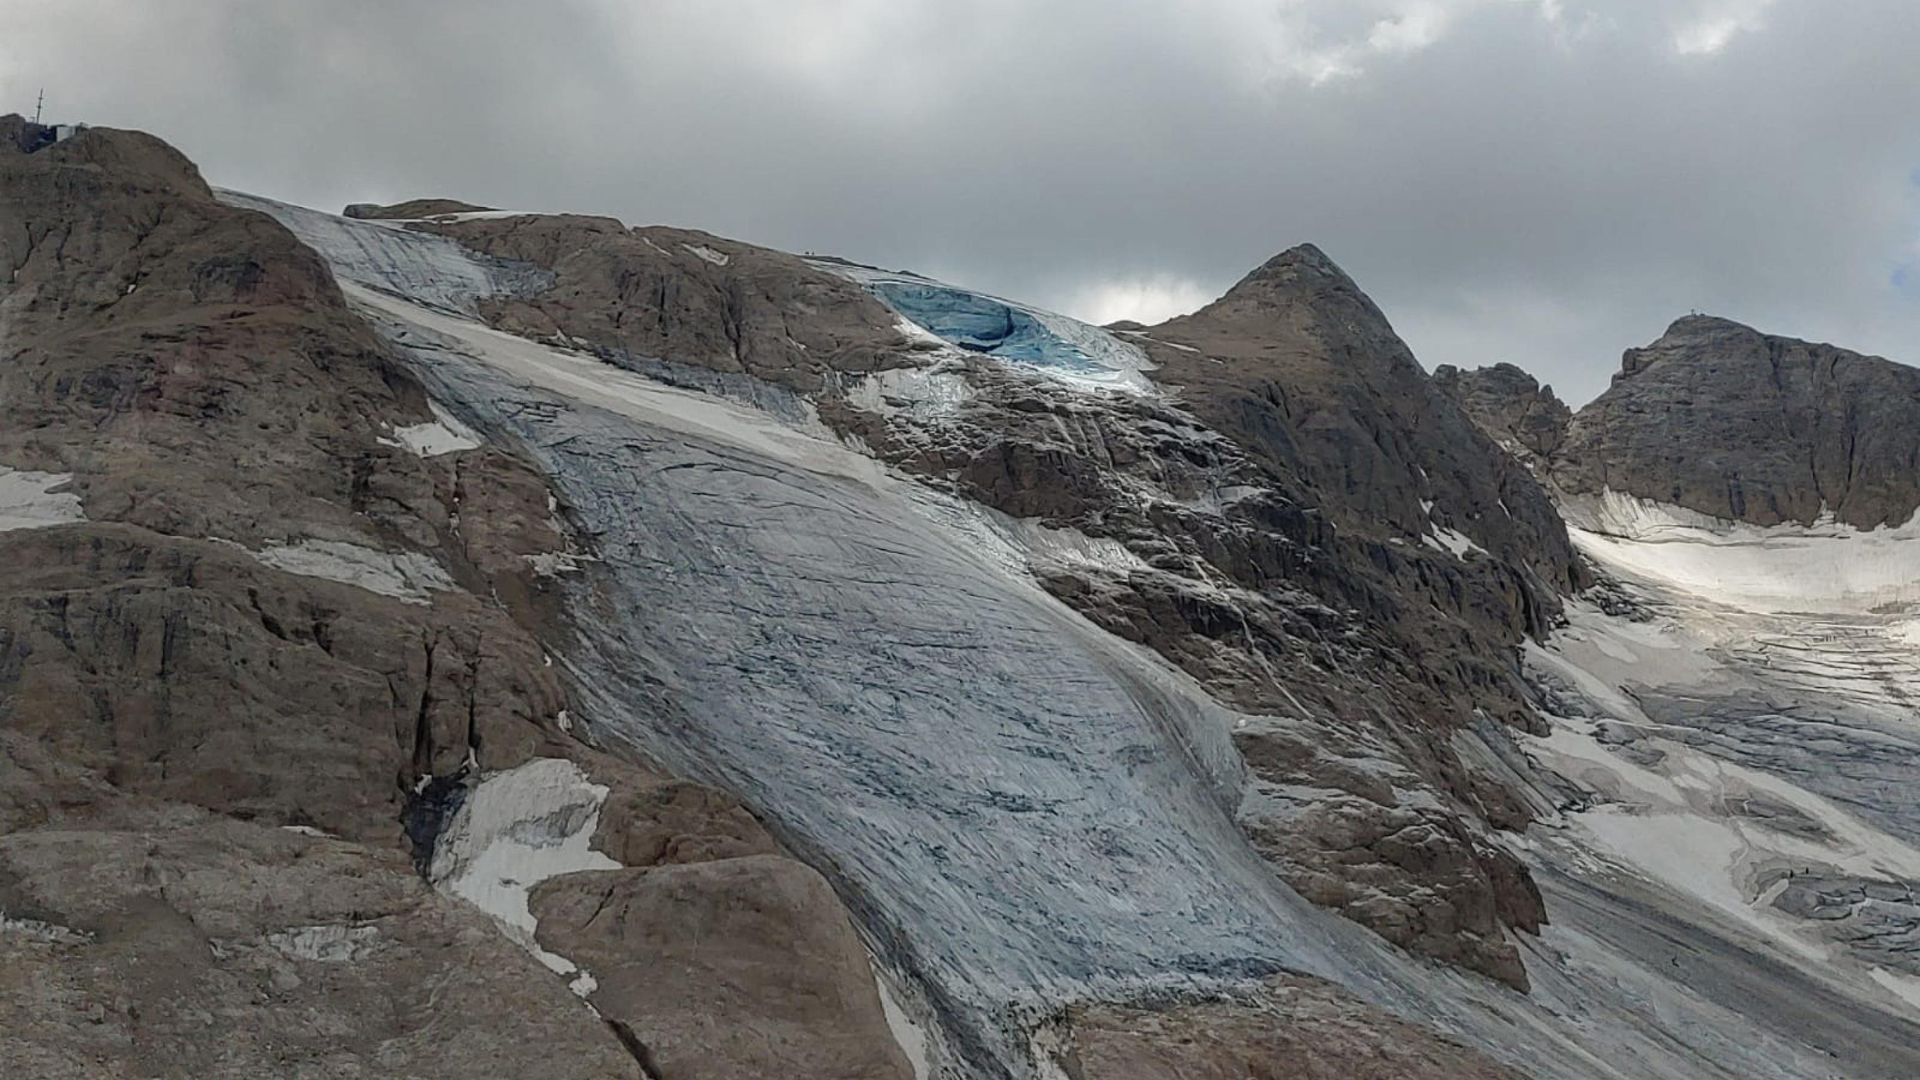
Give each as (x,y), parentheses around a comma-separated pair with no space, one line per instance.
(1541,181)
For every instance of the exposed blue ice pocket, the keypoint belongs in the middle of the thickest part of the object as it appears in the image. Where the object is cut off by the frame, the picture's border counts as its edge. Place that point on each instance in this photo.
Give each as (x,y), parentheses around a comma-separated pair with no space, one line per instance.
(984,325)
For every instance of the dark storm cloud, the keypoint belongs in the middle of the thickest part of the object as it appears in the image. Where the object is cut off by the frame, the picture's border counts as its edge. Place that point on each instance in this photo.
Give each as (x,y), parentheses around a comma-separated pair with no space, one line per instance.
(1542,181)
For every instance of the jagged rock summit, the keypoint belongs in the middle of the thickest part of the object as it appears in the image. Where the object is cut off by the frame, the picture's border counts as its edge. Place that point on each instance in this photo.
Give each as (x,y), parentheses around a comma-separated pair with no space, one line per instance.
(1725,420)
(1525,417)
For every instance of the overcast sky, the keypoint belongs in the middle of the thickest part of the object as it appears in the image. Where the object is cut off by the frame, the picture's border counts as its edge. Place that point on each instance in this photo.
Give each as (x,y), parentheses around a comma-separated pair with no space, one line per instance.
(1540,181)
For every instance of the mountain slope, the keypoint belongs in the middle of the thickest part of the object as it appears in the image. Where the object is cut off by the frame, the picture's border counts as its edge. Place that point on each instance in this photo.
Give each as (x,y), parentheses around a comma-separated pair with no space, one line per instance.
(1721,419)
(1064,673)
(1732,709)
(269,618)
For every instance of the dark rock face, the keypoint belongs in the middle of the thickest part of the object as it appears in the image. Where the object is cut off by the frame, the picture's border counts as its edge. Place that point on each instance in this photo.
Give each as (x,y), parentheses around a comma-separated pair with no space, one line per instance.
(1725,420)
(686,296)
(1515,410)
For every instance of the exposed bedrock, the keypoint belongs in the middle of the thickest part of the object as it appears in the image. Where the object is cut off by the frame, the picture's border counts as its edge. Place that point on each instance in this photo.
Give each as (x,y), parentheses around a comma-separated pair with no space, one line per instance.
(273,626)
(1724,420)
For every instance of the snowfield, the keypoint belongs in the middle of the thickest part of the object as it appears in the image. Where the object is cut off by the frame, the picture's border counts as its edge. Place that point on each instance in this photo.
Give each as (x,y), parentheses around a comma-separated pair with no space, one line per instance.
(1743,738)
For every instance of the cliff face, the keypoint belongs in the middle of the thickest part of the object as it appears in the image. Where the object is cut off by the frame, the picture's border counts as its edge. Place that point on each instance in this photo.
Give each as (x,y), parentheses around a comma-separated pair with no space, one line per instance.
(1725,420)
(273,627)
(1524,417)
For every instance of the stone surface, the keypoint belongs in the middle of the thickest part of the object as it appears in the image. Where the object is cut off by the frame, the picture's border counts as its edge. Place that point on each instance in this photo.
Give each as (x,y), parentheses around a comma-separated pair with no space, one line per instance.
(178,943)
(1722,419)
(1514,409)
(412,208)
(1287,1029)
(681,952)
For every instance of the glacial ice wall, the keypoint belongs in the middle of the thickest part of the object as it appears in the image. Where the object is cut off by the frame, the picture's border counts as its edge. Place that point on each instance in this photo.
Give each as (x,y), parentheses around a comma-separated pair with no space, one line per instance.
(1013,333)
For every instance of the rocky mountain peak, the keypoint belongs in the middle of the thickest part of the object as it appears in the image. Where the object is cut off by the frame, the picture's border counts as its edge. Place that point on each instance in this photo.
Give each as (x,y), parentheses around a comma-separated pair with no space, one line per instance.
(1691,337)
(1718,417)
(108,150)
(1525,417)
(1301,277)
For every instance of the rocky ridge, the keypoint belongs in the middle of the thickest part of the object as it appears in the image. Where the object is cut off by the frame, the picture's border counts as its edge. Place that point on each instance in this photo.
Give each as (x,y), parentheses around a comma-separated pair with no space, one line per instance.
(1724,420)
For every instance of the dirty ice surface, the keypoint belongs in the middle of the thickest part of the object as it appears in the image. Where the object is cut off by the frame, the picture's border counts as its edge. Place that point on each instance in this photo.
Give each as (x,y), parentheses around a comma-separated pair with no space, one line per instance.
(444,434)
(430,269)
(407,575)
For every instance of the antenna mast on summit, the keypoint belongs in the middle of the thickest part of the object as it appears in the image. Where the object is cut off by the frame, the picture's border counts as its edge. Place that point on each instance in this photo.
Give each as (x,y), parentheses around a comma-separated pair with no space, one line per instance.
(40,105)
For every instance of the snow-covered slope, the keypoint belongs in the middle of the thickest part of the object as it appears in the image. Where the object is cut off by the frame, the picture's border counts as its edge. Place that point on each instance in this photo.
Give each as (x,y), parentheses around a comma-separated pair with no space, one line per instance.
(1021,810)
(1740,730)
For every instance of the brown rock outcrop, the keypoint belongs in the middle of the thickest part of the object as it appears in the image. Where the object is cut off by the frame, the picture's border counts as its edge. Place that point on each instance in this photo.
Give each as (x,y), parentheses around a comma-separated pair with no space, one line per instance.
(412,208)
(1290,1029)
(687,296)
(682,952)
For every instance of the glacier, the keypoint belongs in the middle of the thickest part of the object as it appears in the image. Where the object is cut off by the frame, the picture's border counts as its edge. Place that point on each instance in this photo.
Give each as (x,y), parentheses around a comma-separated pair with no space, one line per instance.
(1020,810)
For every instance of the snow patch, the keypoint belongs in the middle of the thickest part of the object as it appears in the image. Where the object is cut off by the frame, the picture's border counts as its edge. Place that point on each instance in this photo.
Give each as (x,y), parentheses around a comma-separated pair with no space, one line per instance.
(553,563)
(1453,543)
(516,829)
(911,1037)
(28,500)
(444,434)
(926,393)
(1826,566)
(405,575)
(326,944)
(44,932)
(707,254)
(1905,987)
